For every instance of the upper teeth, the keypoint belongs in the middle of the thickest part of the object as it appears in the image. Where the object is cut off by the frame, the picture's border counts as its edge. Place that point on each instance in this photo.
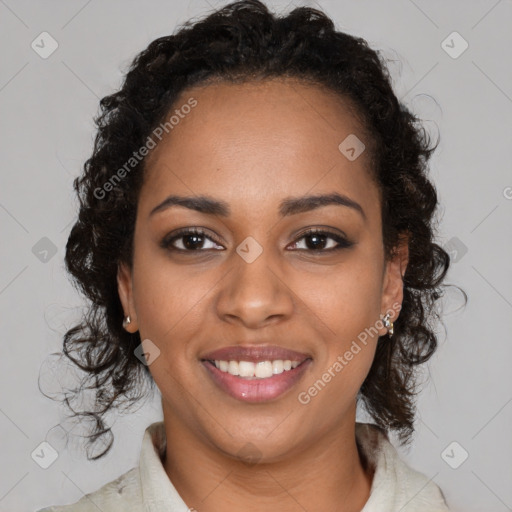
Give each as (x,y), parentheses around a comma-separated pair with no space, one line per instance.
(259,370)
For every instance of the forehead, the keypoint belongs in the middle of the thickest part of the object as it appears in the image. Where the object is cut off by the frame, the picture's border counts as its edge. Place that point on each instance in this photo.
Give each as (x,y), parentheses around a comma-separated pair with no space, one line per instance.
(264,139)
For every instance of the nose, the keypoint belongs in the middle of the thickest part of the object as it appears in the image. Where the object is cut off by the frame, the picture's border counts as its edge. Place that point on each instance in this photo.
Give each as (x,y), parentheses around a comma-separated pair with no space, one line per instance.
(255,294)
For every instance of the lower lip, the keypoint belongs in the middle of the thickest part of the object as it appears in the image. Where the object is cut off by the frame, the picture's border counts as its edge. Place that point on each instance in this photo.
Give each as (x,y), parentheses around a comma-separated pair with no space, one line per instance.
(256,390)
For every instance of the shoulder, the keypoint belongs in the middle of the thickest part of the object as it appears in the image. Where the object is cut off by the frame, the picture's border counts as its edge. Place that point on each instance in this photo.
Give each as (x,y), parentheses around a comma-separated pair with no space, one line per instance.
(396,485)
(126,492)
(123,493)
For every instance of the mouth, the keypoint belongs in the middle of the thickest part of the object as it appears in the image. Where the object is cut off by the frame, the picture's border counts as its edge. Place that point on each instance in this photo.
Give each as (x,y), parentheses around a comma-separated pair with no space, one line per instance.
(255,370)
(255,374)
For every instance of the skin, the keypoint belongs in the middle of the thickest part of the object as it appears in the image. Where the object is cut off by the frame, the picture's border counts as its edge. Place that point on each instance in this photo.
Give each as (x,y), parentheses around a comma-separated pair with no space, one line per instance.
(252,145)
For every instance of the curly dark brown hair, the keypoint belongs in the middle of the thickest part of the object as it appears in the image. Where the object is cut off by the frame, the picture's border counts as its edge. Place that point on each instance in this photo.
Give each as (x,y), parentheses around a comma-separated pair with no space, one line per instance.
(240,42)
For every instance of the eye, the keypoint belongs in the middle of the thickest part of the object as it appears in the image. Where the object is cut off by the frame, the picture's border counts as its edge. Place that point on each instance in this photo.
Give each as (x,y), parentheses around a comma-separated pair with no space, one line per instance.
(195,239)
(190,239)
(318,239)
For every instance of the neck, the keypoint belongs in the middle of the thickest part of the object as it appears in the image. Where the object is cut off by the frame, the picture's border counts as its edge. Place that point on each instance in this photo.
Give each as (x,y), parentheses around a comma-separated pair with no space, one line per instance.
(328,475)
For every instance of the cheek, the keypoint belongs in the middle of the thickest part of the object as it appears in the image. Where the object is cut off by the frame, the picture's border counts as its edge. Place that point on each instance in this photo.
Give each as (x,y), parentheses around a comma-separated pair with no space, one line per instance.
(161,297)
(170,302)
(347,299)
(348,303)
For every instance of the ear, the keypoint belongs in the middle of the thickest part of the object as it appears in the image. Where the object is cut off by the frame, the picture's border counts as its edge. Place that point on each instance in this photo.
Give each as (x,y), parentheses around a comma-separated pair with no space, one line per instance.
(125,290)
(392,286)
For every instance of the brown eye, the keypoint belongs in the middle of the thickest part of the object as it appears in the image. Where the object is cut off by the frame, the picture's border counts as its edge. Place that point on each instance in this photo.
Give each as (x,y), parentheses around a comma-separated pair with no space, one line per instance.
(190,240)
(321,240)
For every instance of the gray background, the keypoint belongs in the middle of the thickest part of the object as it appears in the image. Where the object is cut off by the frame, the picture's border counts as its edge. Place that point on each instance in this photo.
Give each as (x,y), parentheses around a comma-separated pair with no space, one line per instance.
(47,107)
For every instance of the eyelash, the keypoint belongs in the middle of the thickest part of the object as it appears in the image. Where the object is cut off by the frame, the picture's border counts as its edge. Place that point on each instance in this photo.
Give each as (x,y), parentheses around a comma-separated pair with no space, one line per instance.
(343,243)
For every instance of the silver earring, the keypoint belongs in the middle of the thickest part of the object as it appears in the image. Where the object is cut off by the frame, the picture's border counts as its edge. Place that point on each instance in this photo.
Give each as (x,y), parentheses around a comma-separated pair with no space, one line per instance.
(127,320)
(389,324)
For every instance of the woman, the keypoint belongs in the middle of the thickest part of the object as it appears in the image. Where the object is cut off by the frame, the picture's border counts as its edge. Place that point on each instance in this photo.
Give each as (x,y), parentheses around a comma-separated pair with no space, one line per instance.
(256,238)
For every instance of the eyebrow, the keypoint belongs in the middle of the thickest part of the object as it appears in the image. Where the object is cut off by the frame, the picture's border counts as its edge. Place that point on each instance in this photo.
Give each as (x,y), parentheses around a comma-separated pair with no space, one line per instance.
(289,206)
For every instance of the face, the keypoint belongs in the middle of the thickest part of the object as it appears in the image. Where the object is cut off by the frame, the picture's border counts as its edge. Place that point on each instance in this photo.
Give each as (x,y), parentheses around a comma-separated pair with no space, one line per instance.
(249,278)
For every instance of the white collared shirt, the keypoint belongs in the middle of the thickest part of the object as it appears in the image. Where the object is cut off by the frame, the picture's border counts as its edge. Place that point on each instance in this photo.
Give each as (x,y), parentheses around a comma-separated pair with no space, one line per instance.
(147,488)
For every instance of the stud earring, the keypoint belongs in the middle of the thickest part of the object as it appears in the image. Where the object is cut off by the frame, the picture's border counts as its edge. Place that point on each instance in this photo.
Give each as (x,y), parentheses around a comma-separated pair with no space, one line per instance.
(389,324)
(127,320)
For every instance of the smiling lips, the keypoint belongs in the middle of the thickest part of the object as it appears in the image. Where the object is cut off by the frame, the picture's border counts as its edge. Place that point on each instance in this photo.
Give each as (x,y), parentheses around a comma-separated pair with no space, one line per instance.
(255,374)
(258,370)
